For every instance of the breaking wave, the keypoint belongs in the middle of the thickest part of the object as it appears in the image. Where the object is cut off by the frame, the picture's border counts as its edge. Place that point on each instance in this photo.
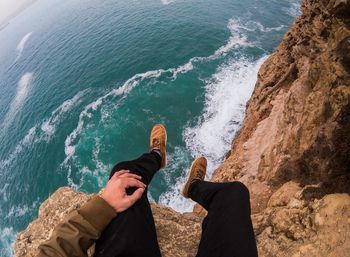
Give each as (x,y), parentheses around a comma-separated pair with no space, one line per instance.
(226,95)
(8,237)
(43,131)
(237,39)
(49,126)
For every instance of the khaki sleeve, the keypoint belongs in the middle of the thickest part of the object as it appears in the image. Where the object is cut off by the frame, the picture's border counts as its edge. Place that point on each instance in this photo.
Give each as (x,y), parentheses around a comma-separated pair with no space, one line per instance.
(79,230)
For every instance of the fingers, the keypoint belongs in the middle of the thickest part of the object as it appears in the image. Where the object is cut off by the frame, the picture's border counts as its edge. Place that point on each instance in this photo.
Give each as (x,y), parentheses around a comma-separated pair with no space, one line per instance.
(120,172)
(125,174)
(132,182)
(135,196)
(130,175)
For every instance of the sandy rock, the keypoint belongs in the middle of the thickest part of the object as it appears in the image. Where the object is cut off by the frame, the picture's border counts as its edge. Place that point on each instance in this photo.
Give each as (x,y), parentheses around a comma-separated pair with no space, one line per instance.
(51,212)
(178,234)
(321,228)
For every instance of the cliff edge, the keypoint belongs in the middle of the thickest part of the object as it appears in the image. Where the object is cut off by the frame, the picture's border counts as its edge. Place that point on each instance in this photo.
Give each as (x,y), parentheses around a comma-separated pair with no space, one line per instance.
(293,151)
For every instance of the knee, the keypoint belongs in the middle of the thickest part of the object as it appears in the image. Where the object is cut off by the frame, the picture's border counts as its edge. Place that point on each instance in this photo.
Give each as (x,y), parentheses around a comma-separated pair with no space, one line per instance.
(120,166)
(237,189)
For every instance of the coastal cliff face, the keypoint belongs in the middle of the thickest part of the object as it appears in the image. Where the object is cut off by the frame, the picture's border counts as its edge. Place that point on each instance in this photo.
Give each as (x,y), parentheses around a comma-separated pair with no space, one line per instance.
(297,122)
(293,151)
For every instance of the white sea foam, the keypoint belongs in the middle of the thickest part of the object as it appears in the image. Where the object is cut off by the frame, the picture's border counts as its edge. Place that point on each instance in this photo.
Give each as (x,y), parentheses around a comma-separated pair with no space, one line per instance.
(21,45)
(26,141)
(178,160)
(173,198)
(48,128)
(183,68)
(93,106)
(237,39)
(229,84)
(21,210)
(18,101)
(226,96)
(122,91)
(294,10)
(49,125)
(254,25)
(7,240)
(100,166)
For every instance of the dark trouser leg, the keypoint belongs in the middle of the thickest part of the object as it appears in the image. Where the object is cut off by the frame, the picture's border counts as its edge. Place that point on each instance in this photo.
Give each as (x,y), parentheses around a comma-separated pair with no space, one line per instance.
(227,230)
(132,232)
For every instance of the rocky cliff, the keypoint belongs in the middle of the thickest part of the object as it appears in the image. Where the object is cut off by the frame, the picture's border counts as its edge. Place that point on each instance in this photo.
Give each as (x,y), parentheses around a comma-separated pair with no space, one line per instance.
(293,151)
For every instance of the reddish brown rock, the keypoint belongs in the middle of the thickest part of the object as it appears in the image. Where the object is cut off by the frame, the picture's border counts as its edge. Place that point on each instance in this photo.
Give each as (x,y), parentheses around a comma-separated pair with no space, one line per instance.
(297,124)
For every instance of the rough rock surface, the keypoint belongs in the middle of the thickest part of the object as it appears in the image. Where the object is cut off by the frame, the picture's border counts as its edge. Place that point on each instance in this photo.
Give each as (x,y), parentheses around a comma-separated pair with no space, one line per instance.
(290,226)
(293,151)
(293,226)
(297,124)
(178,234)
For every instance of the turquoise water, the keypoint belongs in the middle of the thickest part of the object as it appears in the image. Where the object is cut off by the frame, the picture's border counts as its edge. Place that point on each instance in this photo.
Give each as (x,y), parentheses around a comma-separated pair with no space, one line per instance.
(82,83)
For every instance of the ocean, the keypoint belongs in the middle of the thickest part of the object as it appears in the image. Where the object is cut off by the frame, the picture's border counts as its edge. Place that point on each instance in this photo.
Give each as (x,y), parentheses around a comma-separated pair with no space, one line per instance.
(82,83)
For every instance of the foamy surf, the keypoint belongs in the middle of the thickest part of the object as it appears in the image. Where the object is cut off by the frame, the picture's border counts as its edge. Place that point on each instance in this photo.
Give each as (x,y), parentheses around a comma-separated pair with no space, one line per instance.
(294,10)
(49,126)
(28,139)
(226,95)
(237,74)
(8,237)
(17,211)
(178,160)
(237,39)
(44,131)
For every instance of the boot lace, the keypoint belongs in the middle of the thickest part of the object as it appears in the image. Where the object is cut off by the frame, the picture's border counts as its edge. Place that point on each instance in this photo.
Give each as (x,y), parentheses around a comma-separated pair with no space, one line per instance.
(155,143)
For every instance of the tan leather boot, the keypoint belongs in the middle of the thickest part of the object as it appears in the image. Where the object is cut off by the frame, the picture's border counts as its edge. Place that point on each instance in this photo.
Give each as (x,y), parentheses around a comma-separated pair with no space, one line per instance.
(197,171)
(158,142)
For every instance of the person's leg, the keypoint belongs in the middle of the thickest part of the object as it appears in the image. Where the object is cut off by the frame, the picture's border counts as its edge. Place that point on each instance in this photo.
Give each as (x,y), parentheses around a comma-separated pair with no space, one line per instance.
(145,166)
(227,230)
(133,233)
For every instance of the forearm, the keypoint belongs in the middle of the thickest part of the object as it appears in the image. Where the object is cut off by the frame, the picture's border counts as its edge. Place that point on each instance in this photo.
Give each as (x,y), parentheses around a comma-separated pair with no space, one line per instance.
(79,230)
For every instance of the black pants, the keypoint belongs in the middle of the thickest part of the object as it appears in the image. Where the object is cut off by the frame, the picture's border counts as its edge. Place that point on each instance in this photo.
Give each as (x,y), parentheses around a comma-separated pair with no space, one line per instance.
(226,231)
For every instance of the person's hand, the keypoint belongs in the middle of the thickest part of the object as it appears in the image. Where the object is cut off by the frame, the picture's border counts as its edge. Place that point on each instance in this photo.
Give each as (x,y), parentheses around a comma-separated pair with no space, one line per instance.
(115,191)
